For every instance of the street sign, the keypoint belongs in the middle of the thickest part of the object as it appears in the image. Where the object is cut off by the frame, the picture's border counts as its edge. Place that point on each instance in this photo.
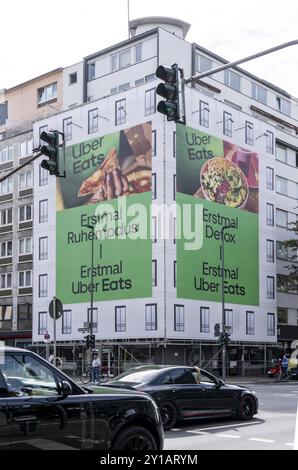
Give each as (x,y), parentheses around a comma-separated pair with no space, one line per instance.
(58,308)
(228,327)
(47,336)
(87,325)
(83,329)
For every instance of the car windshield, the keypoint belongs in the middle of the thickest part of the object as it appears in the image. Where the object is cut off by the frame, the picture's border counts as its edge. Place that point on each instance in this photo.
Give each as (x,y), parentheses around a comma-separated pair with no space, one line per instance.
(136,377)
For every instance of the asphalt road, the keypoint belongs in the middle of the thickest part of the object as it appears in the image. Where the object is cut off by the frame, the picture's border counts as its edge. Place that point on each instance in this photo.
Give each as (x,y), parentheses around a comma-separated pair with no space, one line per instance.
(272,428)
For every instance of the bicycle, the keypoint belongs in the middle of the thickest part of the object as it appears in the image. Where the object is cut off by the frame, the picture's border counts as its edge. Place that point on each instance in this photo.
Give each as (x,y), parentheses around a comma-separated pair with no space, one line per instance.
(283,376)
(86,377)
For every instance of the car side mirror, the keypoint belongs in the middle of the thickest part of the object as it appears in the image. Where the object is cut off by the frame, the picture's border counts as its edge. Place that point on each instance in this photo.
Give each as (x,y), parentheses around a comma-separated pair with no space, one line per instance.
(219,383)
(65,388)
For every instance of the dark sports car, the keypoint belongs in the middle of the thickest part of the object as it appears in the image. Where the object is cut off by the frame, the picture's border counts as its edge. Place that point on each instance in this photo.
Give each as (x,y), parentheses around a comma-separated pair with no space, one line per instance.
(179,396)
(42,408)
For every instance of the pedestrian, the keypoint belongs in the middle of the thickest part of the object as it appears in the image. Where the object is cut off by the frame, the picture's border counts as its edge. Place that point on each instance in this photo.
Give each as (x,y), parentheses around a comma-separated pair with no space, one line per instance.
(197,374)
(51,357)
(284,365)
(95,368)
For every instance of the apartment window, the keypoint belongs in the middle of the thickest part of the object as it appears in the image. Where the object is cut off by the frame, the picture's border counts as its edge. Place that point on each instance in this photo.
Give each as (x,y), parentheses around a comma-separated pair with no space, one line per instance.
(6,155)
(281,153)
(26,148)
(25,246)
(5,249)
(124,86)
(174,187)
(124,58)
(67,128)
(139,82)
(42,323)
(204,113)
(175,273)
(6,217)
(5,281)
(3,113)
(229,319)
(25,213)
(66,322)
(249,133)
(232,80)
(282,316)
(270,251)
(150,101)
(43,248)
(73,78)
(150,77)
(269,142)
(259,93)
(174,144)
(154,273)
(250,323)
(270,324)
(227,124)
(120,319)
(25,180)
(94,318)
(281,218)
(138,53)
(202,63)
(5,317)
(281,185)
(269,214)
(153,144)
(270,288)
(91,71)
(43,176)
(269,178)
(178,317)
(47,93)
(92,121)
(25,278)
(6,187)
(154,230)
(25,317)
(281,251)
(120,112)
(43,211)
(43,285)
(284,106)
(151,317)
(154,186)
(204,320)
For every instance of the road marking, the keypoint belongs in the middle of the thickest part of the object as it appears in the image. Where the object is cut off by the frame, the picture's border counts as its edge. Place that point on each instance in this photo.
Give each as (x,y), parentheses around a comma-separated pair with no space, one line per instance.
(229,426)
(296,432)
(231,436)
(258,439)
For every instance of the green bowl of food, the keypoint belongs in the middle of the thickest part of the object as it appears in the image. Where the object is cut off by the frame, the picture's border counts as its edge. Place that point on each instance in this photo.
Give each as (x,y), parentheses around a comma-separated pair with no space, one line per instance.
(223,182)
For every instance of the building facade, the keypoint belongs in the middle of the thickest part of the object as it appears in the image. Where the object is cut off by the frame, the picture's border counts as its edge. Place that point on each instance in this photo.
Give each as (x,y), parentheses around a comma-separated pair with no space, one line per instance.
(20,106)
(112,93)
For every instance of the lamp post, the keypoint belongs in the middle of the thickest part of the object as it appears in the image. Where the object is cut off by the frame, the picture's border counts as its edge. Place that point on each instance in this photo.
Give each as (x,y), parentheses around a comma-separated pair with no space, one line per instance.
(91,227)
(224,348)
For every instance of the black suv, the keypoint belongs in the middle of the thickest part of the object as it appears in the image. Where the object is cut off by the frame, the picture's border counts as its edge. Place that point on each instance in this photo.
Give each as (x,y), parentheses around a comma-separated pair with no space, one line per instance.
(41,408)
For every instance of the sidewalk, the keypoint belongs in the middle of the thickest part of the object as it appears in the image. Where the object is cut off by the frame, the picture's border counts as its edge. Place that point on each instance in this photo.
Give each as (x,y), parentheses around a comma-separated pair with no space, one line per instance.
(256,380)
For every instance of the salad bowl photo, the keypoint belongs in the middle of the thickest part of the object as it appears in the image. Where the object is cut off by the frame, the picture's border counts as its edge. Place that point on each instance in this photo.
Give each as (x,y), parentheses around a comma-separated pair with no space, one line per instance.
(223,182)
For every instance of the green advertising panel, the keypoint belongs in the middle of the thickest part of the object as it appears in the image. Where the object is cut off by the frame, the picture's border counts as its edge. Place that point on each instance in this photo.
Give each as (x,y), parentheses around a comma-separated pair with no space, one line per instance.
(217,186)
(106,197)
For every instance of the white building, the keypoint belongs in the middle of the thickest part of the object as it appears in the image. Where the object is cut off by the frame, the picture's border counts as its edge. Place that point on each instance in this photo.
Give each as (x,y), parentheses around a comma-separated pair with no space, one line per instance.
(113,90)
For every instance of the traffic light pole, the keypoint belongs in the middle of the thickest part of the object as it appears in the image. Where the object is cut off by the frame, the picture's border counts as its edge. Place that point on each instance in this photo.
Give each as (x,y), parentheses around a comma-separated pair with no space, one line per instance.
(240,61)
(19,167)
(224,345)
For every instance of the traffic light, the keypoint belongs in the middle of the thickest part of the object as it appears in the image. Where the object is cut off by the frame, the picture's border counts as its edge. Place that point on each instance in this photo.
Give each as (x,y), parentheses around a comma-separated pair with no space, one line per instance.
(92,341)
(87,338)
(223,339)
(51,150)
(173,91)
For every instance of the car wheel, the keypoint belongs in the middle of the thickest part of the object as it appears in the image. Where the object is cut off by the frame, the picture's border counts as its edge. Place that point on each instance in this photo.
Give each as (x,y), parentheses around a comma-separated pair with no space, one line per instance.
(134,438)
(246,408)
(169,415)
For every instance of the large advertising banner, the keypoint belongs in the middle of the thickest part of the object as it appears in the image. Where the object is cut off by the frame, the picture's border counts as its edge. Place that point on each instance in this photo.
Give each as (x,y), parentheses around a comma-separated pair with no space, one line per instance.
(106,197)
(217,189)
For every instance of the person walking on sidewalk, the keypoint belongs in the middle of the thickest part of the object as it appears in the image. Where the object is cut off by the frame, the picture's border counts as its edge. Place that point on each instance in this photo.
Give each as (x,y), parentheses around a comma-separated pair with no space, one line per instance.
(95,368)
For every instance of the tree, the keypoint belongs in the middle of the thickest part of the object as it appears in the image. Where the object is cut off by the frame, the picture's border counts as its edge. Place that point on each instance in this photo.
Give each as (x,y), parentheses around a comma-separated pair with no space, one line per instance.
(291,278)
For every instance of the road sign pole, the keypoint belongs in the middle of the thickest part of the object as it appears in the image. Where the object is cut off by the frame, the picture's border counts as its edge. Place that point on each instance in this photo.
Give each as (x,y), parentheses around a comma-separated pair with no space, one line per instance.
(54,325)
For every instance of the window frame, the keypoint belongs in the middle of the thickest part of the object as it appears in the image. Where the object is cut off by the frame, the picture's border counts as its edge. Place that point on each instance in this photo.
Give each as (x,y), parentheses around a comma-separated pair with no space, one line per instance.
(179,326)
(92,128)
(151,322)
(120,323)
(204,326)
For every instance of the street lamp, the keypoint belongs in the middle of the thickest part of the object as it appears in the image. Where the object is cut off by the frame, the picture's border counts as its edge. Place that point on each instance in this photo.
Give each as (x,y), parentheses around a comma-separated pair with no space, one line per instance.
(91,227)
(224,345)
